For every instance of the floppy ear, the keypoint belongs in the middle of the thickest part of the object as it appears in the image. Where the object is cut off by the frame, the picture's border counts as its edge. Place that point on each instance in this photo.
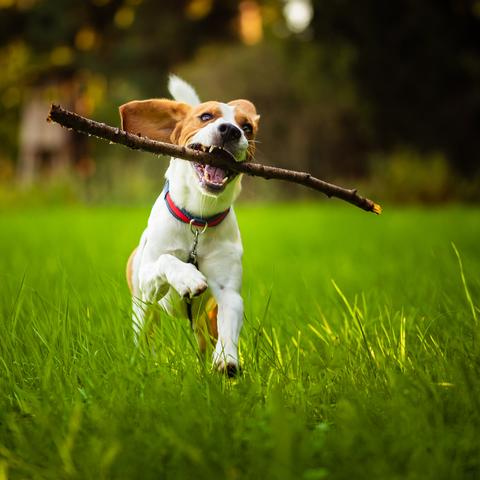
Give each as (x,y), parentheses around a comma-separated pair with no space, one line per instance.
(247,107)
(156,118)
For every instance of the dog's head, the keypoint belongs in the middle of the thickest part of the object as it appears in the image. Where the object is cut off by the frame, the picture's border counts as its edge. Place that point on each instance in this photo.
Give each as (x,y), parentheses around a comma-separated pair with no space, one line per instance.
(232,126)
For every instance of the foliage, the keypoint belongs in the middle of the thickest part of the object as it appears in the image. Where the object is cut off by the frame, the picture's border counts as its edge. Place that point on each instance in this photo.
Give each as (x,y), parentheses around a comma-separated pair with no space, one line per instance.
(417,67)
(407,176)
(109,47)
(364,77)
(309,121)
(373,375)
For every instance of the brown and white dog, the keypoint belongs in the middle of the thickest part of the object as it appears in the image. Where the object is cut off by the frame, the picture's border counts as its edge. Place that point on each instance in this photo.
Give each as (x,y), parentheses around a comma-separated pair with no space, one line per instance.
(196,198)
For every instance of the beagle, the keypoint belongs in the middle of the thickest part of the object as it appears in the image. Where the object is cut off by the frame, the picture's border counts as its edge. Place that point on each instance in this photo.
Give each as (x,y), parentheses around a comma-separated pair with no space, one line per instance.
(189,259)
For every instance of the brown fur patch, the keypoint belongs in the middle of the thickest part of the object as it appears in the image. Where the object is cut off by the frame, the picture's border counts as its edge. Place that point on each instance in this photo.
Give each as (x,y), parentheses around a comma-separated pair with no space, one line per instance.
(212,318)
(129,271)
(156,118)
(246,113)
(206,325)
(191,124)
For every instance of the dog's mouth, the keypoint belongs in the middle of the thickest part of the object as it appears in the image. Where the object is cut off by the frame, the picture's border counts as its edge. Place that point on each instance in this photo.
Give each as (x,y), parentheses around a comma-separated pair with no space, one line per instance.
(213,179)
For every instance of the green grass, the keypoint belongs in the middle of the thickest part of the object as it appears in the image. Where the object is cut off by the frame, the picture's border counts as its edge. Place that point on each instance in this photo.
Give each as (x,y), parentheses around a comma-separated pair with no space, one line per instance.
(360,351)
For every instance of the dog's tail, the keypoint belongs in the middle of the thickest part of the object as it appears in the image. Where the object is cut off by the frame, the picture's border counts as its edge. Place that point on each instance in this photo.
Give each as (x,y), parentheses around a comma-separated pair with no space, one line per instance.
(181,91)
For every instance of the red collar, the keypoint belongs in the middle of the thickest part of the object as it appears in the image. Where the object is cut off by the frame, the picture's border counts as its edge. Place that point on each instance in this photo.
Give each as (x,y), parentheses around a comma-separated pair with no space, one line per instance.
(187,217)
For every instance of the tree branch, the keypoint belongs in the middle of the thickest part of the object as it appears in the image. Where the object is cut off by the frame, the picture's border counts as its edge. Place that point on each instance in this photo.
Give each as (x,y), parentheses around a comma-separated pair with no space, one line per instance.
(217,158)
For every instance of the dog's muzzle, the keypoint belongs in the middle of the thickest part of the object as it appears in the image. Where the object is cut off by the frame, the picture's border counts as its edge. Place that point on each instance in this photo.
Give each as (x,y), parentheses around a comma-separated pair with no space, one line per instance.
(213,179)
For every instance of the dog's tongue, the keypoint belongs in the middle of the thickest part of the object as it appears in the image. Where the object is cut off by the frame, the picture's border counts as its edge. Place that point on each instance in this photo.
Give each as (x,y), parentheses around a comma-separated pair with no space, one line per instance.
(216,174)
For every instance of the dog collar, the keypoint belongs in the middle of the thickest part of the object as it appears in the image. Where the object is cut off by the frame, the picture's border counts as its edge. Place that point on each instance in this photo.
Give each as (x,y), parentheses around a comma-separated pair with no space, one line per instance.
(186,217)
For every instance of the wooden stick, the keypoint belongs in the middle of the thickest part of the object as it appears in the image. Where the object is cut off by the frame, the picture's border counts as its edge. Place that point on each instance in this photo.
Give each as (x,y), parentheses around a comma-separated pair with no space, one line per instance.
(217,158)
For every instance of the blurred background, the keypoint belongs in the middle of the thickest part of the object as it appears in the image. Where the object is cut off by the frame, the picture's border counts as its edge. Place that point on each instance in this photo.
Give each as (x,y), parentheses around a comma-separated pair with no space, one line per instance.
(384,96)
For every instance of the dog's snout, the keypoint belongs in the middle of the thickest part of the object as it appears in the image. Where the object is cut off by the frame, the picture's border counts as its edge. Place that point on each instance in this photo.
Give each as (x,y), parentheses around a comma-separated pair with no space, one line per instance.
(229,131)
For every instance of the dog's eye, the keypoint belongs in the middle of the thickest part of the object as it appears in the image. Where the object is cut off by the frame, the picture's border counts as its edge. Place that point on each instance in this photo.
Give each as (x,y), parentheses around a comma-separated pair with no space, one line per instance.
(247,128)
(205,117)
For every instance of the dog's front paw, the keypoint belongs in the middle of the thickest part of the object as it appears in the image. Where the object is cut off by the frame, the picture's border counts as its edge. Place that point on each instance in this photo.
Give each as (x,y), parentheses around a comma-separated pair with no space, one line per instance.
(225,363)
(188,281)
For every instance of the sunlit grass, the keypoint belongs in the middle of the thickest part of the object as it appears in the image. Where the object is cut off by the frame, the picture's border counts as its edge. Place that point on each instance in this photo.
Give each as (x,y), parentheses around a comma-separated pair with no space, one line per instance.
(360,351)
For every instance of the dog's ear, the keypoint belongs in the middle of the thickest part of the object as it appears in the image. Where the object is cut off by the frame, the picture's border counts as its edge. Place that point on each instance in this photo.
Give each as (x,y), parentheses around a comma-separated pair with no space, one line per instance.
(155,118)
(247,107)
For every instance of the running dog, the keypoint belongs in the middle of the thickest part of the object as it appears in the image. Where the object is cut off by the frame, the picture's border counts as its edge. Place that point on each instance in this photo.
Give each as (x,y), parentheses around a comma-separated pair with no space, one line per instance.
(189,259)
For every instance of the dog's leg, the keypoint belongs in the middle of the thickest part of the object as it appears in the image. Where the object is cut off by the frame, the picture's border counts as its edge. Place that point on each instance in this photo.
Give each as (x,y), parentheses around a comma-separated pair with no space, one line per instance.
(224,274)
(154,280)
(229,324)
(144,316)
(156,277)
(138,319)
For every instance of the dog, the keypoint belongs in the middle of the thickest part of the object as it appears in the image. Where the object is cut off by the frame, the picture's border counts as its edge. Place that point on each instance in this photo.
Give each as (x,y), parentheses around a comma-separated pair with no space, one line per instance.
(189,259)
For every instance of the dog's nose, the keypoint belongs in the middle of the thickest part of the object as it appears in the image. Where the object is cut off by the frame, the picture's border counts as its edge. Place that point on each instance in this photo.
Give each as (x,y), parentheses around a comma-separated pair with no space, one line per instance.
(229,131)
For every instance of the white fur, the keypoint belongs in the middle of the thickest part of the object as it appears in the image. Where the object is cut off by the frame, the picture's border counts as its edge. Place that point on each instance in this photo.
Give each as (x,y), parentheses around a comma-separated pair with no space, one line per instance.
(160,272)
(181,91)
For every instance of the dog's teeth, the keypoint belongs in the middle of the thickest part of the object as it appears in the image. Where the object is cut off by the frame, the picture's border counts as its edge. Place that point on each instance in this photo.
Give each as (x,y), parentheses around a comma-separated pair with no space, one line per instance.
(206,175)
(211,148)
(225,180)
(204,148)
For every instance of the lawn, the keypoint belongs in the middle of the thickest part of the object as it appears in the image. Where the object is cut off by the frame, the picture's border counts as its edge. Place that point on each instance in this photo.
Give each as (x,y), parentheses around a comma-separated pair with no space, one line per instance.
(360,351)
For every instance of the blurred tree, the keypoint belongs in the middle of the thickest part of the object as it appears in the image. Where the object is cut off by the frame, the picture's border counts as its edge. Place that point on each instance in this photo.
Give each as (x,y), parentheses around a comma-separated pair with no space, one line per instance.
(114,37)
(342,80)
(417,66)
(337,80)
(131,44)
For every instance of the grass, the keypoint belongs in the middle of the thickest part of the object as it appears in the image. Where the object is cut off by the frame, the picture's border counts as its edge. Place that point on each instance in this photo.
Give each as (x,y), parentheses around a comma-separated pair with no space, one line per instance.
(360,351)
